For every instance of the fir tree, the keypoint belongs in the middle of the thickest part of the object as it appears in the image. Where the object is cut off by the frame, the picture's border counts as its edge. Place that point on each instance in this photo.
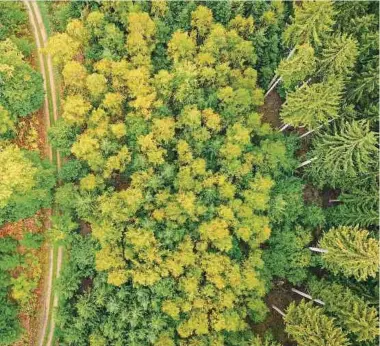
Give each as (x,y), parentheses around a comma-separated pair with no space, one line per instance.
(352,312)
(308,326)
(312,20)
(350,251)
(339,55)
(312,105)
(347,152)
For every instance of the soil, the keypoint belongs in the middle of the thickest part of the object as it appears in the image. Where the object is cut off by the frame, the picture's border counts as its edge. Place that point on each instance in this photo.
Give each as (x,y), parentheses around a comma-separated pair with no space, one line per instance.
(271,109)
(85,228)
(86,285)
(311,195)
(280,296)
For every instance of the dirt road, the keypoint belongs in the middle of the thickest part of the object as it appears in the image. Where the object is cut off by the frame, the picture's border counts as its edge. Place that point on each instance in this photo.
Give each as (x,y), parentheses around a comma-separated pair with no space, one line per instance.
(46,69)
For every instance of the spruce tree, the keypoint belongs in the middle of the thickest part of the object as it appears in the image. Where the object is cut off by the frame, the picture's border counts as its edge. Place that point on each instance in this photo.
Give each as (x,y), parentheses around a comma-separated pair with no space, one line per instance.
(312,105)
(308,326)
(339,55)
(352,312)
(298,67)
(349,151)
(312,20)
(350,251)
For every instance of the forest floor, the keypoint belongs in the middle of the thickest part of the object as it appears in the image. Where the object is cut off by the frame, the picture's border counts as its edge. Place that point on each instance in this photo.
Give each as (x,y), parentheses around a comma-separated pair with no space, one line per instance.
(50,111)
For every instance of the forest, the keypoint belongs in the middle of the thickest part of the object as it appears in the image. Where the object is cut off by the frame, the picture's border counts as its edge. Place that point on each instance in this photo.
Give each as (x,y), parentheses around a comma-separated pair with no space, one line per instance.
(211,177)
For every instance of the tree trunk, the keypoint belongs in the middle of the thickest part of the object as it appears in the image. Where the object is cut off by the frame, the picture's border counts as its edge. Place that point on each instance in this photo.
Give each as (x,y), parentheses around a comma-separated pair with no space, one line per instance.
(276,75)
(283,127)
(317,249)
(308,296)
(317,128)
(278,310)
(272,87)
(305,163)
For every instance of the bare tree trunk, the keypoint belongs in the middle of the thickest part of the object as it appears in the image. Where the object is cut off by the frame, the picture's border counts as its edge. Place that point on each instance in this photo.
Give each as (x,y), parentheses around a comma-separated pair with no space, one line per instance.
(273,86)
(317,128)
(283,128)
(276,75)
(305,163)
(278,310)
(317,249)
(308,296)
(302,294)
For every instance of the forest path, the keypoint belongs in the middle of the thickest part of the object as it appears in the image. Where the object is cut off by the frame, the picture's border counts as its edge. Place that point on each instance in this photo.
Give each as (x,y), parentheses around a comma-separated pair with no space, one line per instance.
(50,115)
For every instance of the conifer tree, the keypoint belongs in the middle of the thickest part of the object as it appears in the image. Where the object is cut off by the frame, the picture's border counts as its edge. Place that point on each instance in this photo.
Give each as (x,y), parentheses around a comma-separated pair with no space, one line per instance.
(312,20)
(308,326)
(349,151)
(352,312)
(350,251)
(312,105)
(298,67)
(339,55)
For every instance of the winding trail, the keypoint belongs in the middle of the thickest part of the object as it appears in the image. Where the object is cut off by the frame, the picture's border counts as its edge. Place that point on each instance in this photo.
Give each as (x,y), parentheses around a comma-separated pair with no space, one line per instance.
(50,113)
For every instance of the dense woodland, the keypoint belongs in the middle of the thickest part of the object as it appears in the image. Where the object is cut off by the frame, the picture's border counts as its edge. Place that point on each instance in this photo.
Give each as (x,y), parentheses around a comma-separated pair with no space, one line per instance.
(183,207)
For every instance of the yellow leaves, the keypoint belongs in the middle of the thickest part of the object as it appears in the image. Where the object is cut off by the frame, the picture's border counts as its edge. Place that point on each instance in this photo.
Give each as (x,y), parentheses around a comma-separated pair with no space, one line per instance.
(164,339)
(190,117)
(140,39)
(16,173)
(163,129)
(226,213)
(113,102)
(171,308)
(184,151)
(74,75)
(201,20)
(119,130)
(144,276)
(211,119)
(198,167)
(159,7)
(62,48)
(181,46)
(140,239)
(190,284)
(96,84)
(197,323)
(88,182)
(149,147)
(117,277)
(77,31)
(75,109)
(243,26)
(187,202)
(230,151)
(243,233)
(108,258)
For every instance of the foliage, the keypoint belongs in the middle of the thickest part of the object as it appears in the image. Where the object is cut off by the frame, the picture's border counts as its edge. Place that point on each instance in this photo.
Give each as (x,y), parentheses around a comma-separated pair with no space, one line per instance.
(21,92)
(298,67)
(312,21)
(312,105)
(308,326)
(26,184)
(348,152)
(351,252)
(352,311)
